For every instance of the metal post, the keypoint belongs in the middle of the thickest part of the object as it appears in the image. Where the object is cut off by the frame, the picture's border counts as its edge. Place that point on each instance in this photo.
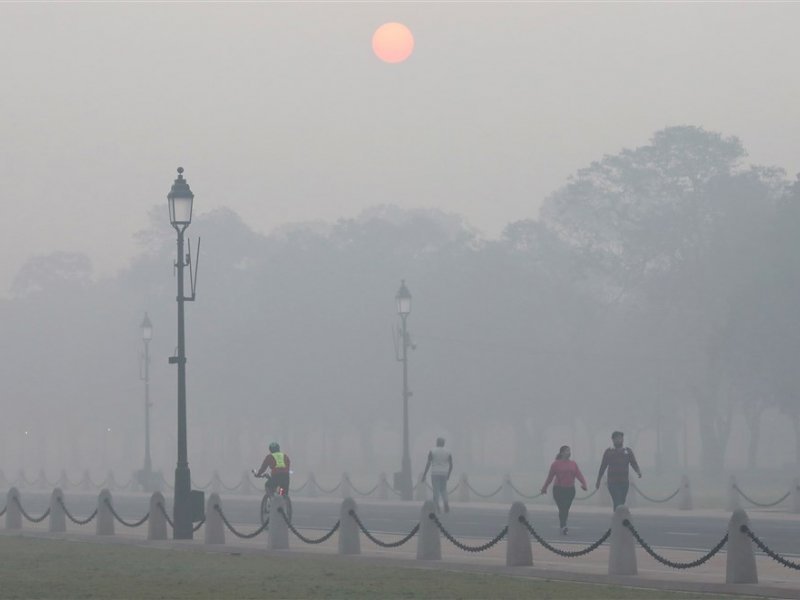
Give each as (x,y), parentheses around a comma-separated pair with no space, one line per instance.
(405,469)
(182,511)
(147,463)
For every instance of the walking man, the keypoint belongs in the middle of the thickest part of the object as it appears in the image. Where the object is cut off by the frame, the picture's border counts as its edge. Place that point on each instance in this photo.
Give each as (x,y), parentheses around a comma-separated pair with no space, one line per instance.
(440,463)
(617,459)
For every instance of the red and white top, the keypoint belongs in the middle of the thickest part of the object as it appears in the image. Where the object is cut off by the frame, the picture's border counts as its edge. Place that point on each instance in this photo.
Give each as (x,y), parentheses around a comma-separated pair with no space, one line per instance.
(564,471)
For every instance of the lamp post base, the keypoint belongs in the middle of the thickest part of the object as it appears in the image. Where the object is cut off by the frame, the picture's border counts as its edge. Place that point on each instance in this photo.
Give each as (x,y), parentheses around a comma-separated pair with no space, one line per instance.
(182,507)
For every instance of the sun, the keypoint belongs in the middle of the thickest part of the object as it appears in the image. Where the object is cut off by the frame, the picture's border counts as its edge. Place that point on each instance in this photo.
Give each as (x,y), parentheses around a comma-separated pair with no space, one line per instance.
(392,42)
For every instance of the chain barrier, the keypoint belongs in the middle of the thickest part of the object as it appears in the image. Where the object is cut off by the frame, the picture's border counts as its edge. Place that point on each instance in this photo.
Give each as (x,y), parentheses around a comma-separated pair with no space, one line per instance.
(73,519)
(123,521)
(230,489)
(244,536)
(667,562)
(203,487)
(303,538)
(656,500)
(455,487)
(381,543)
(769,552)
(324,491)
(566,553)
(477,493)
(513,487)
(299,489)
(360,493)
(587,496)
(465,547)
(199,525)
(166,484)
(165,515)
(27,516)
(2,512)
(762,504)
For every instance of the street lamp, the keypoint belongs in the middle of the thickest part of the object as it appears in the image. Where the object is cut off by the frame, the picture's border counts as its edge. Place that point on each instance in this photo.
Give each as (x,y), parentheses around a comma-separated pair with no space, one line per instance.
(146,476)
(403,301)
(180,200)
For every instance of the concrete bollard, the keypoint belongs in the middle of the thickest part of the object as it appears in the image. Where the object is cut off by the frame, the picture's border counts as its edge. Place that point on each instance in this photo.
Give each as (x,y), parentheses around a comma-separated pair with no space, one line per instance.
(3,480)
(463,488)
(421,490)
(156,522)
(63,481)
(741,562)
(105,520)
(733,496)
(245,487)
(278,533)
(216,483)
(111,483)
(312,489)
(13,513)
(507,494)
(346,489)
(214,527)
(685,495)
(383,488)
(622,553)
(796,495)
(518,545)
(429,543)
(22,480)
(349,535)
(58,519)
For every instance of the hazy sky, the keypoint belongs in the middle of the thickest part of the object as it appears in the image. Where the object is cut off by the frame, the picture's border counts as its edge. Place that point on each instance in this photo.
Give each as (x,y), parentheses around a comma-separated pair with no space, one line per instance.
(281,112)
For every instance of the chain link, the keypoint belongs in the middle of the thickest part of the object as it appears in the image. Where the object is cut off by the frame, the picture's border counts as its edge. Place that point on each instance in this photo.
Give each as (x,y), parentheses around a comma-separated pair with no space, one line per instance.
(656,500)
(165,515)
(203,487)
(303,538)
(27,516)
(360,493)
(199,525)
(463,546)
(455,487)
(566,553)
(2,512)
(299,489)
(762,504)
(587,496)
(230,489)
(244,536)
(513,487)
(73,519)
(667,562)
(768,551)
(380,543)
(324,491)
(123,521)
(494,493)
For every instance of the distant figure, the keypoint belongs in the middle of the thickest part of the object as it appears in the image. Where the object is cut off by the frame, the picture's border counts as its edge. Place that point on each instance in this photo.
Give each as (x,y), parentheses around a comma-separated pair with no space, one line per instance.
(278,464)
(617,459)
(440,462)
(564,471)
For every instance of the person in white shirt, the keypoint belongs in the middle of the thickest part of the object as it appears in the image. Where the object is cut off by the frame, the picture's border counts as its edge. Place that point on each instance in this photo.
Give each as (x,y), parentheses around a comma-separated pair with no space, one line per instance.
(440,463)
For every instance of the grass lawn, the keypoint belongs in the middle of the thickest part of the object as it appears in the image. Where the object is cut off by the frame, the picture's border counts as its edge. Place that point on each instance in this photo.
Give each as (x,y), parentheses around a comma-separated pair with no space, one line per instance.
(38,568)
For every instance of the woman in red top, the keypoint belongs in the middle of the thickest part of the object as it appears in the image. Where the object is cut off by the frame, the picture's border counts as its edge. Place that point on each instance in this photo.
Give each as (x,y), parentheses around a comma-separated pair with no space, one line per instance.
(564,471)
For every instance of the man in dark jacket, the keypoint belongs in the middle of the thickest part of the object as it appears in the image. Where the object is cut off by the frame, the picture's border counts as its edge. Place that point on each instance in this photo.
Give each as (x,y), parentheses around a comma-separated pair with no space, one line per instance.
(617,460)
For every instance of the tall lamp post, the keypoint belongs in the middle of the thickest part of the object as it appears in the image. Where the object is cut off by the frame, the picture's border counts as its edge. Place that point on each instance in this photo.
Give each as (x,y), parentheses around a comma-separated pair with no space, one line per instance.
(146,480)
(180,200)
(403,301)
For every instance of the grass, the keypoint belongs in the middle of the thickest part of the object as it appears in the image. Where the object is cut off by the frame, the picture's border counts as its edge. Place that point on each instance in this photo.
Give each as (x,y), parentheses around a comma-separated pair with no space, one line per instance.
(38,568)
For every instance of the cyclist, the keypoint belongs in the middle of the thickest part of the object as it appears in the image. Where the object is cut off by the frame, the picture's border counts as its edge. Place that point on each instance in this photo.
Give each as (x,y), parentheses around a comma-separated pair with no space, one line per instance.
(278,464)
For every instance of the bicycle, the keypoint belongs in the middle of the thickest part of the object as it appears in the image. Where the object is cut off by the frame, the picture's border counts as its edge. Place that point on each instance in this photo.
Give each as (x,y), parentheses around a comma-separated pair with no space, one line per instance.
(266,501)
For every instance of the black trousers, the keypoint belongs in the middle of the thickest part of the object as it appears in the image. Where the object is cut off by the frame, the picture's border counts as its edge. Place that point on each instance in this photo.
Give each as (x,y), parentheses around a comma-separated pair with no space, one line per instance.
(563,497)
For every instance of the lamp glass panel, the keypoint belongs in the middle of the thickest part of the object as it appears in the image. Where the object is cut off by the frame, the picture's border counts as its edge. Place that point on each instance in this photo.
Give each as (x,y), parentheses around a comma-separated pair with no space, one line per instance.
(181,210)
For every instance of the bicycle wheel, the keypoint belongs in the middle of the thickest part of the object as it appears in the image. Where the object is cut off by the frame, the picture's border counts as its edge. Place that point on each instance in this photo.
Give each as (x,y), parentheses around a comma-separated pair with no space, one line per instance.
(265,504)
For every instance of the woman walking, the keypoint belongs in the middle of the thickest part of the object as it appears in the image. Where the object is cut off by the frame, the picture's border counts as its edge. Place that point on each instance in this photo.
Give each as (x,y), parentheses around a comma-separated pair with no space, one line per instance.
(564,471)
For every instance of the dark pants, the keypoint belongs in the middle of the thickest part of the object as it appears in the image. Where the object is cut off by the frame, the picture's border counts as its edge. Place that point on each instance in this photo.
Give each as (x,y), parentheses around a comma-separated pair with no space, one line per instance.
(619,492)
(275,481)
(439,485)
(563,497)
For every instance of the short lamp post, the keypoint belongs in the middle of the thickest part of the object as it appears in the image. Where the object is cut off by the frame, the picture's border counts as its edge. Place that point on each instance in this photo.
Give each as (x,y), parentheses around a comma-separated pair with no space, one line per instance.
(180,200)
(403,302)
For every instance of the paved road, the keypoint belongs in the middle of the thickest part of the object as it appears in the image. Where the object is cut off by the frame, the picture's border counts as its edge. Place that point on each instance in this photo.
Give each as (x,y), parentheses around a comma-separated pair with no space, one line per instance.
(672,529)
